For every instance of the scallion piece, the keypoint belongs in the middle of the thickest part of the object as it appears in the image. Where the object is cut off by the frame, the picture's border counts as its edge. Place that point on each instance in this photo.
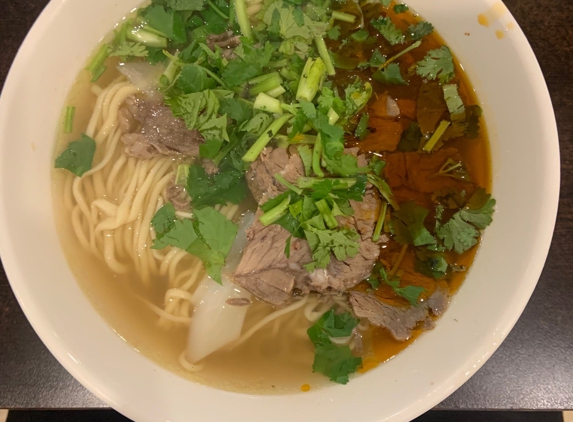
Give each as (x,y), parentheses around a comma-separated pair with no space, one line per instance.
(276,213)
(344,17)
(436,136)
(260,144)
(69,119)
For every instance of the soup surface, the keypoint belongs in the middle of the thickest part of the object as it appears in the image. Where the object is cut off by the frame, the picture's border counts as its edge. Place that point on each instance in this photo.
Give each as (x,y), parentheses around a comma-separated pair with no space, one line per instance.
(271,196)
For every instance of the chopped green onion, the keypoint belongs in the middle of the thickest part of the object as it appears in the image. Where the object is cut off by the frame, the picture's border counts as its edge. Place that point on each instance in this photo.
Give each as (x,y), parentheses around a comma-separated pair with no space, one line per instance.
(325,55)
(97,67)
(311,79)
(380,222)
(332,116)
(182,174)
(316,157)
(69,119)
(360,36)
(266,85)
(267,103)
(309,182)
(344,17)
(276,92)
(265,138)
(326,213)
(243,17)
(280,63)
(276,213)
(262,78)
(168,77)
(147,37)
(287,184)
(436,136)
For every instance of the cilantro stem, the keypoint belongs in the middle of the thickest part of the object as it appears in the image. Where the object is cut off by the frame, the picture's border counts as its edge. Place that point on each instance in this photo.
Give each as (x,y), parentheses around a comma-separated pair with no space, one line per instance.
(398,261)
(444,124)
(380,222)
(265,138)
(287,184)
(309,182)
(262,78)
(325,55)
(97,67)
(276,213)
(401,53)
(384,190)
(362,128)
(344,17)
(146,37)
(171,70)
(217,10)
(267,84)
(311,79)
(276,92)
(243,18)
(326,213)
(267,103)
(219,80)
(280,63)
(182,174)
(226,149)
(69,119)
(316,156)
(231,14)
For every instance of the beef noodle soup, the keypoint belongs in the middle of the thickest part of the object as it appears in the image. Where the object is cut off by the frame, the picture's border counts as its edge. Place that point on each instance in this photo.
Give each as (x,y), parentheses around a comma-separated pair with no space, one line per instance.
(269,196)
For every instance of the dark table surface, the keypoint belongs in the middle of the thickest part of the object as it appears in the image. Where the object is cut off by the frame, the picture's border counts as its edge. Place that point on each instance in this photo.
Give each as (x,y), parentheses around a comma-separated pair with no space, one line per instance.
(533,369)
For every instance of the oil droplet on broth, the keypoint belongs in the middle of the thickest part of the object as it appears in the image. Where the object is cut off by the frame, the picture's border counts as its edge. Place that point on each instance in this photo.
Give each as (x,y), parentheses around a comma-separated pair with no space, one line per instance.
(305,388)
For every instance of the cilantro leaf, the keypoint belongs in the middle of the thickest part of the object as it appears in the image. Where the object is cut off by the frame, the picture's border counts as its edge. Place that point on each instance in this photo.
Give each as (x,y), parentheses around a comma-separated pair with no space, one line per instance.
(431,264)
(181,235)
(342,243)
(377,59)
(248,64)
(333,33)
(185,5)
(168,22)
(410,293)
(337,363)
(390,75)
(388,30)
(401,8)
(408,225)
(194,78)
(479,209)
(78,156)
(438,64)
(420,30)
(207,190)
(237,109)
(164,220)
(209,236)
(129,49)
(292,22)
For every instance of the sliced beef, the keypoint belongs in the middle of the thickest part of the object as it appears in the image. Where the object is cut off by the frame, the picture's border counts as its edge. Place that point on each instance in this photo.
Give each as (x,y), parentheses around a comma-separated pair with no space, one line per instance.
(152,129)
(265,270)
(400,321)
(226,41)
(177,195)
(343,275)
(261,175)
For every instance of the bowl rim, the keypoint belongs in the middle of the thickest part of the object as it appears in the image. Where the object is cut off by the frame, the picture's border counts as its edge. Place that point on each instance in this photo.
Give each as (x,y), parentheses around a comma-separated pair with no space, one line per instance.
(520,300)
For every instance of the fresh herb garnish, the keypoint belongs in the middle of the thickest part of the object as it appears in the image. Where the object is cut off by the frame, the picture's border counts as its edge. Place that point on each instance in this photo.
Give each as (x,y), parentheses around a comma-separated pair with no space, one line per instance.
(438,64)
(388,30)
(408,225)
(78,156)
(336,362)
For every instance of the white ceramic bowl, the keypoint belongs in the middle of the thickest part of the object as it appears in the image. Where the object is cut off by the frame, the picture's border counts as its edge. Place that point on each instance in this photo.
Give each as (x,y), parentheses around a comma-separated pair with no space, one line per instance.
(526,165)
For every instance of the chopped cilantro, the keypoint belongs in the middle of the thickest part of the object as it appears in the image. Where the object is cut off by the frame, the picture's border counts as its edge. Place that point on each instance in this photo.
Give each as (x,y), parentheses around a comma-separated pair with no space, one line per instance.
(164,220)
(462,230)
(408,225)
(438,64)
(377,59)
(390,75)
(209,236)
(420,30)
(401,8)
(342,243)
(336,362)
(129,49)
(362,128)
(237,109)
(333,33)
(183,5)
(409,292)
(388,30)
(207,190)
(431,264)
(78,156)
(169,22)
